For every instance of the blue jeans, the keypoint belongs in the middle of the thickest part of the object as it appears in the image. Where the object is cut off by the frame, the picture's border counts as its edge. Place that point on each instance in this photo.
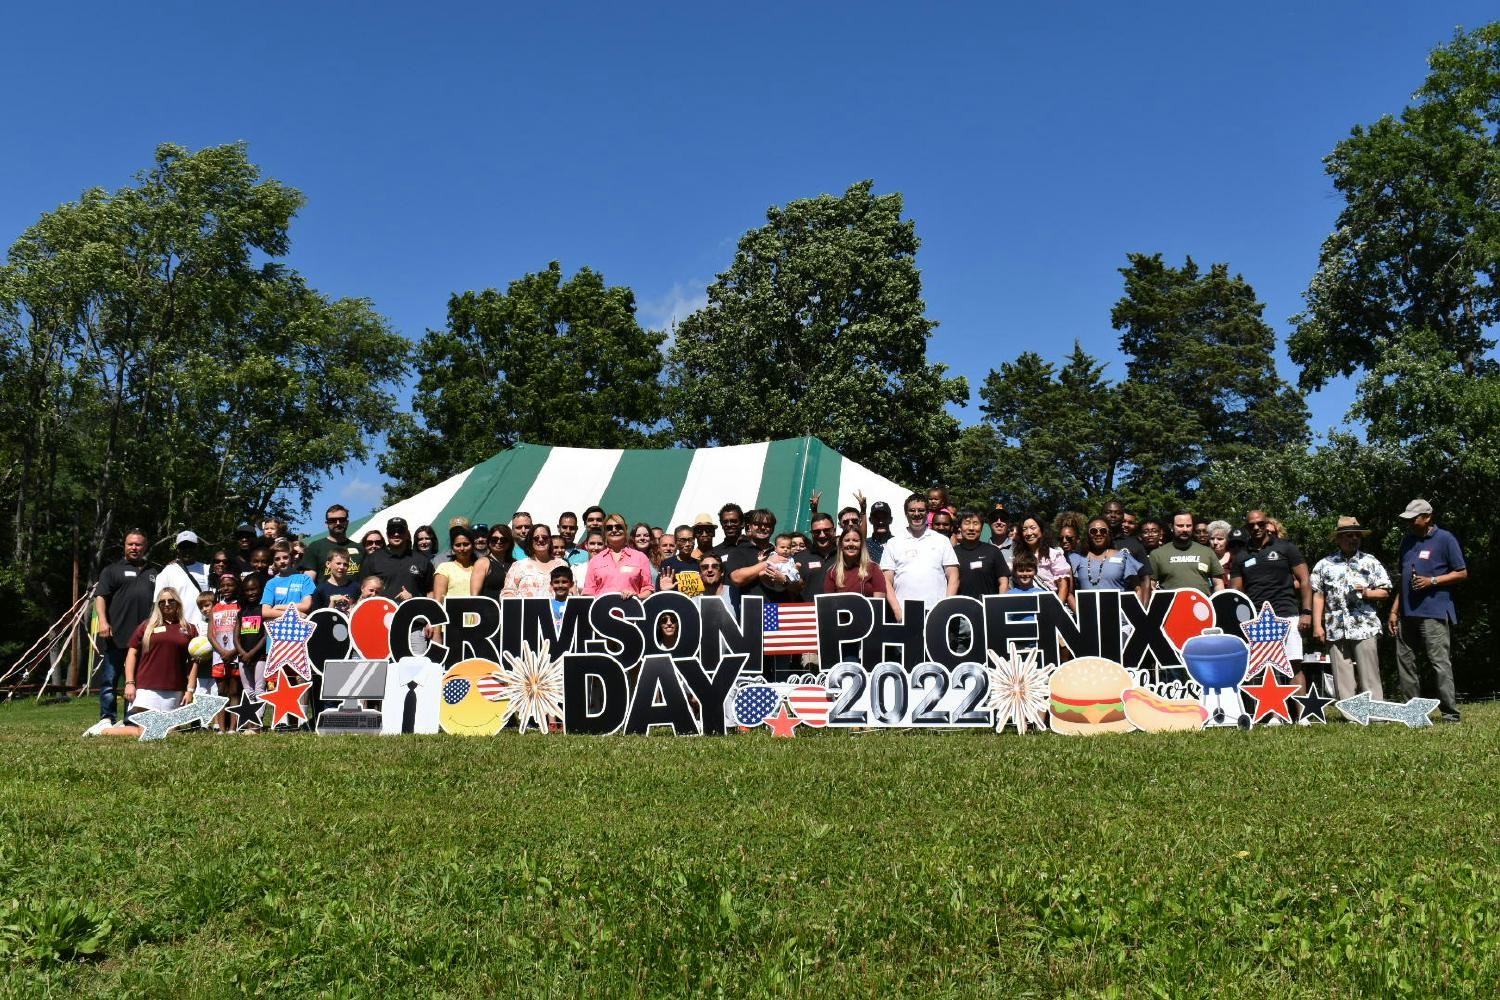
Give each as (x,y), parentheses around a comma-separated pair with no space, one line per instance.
(113,670)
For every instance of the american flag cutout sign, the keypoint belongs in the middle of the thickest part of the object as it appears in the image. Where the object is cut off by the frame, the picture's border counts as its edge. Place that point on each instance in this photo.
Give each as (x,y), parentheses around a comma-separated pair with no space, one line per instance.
(1267,635)
(810,703)
(289,635)
(790,628)
(753,704)
(491,687)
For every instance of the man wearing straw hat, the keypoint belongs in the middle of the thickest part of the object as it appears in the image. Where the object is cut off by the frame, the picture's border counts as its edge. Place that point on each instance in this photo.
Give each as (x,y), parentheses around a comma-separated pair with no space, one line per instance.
(1344,586)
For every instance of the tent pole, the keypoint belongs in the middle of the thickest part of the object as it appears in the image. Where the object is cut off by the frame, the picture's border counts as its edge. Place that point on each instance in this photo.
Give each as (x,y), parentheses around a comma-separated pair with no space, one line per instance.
(801,504)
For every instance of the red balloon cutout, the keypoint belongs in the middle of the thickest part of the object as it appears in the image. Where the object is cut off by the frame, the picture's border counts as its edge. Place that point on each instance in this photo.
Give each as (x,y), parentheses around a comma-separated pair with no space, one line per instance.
(370,627)
(1192,613)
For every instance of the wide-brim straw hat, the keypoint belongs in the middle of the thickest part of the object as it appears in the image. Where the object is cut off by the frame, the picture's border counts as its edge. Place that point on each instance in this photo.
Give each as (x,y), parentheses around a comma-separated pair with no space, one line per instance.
(1349,524)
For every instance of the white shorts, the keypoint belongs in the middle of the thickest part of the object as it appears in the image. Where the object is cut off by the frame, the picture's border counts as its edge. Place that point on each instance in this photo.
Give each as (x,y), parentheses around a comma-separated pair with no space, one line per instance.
(207,685)
(147,699)
(1293,639)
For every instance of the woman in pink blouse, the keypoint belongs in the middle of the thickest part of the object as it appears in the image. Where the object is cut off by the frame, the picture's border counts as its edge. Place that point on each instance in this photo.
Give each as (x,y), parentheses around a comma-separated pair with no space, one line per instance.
(619,569)
(1052,570)
(532,576)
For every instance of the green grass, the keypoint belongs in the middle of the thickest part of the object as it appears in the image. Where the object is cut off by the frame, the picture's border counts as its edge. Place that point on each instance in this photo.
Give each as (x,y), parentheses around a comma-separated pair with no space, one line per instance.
(1331,861)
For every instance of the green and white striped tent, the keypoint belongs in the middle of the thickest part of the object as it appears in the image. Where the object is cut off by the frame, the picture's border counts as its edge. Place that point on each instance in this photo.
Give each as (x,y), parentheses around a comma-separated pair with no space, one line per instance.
(665,487)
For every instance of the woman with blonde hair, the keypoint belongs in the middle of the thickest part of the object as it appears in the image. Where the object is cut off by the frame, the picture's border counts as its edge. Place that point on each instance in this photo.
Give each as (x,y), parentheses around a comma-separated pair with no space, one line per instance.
(853,572)
(159,673)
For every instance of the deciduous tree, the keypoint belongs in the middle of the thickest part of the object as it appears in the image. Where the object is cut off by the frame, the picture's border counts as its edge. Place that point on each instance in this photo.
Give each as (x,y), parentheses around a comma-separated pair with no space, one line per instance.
(550,361)
(818,327)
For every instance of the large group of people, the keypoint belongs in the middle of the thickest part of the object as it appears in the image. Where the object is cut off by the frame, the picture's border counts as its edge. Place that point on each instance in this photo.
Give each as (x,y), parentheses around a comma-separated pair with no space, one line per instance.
(147,615)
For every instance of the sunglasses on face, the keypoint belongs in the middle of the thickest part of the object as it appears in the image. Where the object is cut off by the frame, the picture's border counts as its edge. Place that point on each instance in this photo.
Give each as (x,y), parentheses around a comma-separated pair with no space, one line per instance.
(822,531)
(167,603)
(1099,531)
(374,543)
(497,539)
(336,520)
(614,529)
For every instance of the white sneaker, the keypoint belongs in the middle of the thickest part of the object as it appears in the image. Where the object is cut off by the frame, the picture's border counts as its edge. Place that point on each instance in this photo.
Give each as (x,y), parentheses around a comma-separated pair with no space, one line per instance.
(99,727)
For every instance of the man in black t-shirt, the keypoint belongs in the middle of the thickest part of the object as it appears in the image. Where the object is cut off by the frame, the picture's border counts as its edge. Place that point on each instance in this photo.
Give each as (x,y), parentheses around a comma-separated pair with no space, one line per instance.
(122,601)
(732,520)
(405,572)
(1122,524)
(982,568)
(813,564)
(1273,571)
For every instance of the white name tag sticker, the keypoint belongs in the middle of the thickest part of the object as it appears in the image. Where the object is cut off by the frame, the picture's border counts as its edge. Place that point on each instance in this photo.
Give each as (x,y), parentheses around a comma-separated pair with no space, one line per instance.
(1249,563)
(1425,554)
(977,564)
(129,572)
(815,565)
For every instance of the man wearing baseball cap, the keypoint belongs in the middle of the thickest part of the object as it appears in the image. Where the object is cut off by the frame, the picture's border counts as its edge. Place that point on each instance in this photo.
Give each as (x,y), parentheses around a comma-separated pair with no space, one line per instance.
(880,529)
(189,577)
(405,572)
(1423,615)
(1345,587)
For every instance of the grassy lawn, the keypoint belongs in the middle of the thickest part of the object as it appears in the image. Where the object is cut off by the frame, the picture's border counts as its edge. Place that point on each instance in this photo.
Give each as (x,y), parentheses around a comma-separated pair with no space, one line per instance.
(1330,861)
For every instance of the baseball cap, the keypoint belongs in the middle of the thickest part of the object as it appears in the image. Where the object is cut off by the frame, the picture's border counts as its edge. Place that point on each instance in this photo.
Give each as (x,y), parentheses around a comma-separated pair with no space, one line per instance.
(186,537)
(396,524)
(1417,507)
(880,507)
(246,529)
(998,512)
(1238,536)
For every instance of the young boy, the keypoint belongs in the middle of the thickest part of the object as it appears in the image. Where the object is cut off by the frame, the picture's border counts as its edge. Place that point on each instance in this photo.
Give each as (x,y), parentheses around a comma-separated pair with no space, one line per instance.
(783,563)
(287,587)
(1023,580)
(562,586)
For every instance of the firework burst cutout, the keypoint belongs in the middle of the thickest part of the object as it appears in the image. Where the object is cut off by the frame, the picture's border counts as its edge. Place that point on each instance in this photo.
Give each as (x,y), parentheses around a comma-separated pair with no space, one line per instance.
(1020,689)
(533,684)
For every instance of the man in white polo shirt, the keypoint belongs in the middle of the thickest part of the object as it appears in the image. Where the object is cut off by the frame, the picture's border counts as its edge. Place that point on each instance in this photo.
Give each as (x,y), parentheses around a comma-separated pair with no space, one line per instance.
(919,564)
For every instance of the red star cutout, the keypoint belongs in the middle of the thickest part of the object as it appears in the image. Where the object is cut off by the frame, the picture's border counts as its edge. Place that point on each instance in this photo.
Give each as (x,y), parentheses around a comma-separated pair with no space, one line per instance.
(782,723)
(1270,696)
(285,698)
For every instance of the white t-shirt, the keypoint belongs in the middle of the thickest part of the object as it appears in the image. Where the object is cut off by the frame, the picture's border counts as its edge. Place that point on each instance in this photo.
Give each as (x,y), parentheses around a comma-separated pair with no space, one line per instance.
(188,583)
(919,563)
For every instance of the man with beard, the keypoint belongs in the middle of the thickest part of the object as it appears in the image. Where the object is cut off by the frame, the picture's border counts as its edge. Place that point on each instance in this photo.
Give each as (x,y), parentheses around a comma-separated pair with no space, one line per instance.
(1273,572)
(1184,563)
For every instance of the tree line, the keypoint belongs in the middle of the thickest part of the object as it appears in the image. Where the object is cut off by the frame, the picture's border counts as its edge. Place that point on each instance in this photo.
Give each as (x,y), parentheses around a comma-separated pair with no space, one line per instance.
(165,366)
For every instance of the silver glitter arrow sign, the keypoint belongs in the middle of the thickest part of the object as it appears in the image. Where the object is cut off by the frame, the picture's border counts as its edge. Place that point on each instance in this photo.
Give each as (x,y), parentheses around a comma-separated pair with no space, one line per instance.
(155,724)
(1362,709)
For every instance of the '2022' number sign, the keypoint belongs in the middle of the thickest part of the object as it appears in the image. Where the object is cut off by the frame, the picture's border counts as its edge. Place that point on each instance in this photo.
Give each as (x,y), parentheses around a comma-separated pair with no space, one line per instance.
(927,696)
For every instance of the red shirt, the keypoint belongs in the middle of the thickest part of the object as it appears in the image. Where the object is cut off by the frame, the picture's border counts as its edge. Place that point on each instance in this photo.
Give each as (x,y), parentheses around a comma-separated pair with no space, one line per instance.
(873,586)
(164,667)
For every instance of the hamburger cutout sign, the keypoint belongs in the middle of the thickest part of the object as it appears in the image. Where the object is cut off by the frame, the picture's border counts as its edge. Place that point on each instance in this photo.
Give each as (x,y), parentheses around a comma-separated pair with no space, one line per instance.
(1093,695)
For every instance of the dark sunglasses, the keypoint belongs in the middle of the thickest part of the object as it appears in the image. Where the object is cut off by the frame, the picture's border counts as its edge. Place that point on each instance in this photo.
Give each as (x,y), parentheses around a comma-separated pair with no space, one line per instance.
(615,529)
(374,543)
(823,531)
(167,603)
(336,520)
(497,539)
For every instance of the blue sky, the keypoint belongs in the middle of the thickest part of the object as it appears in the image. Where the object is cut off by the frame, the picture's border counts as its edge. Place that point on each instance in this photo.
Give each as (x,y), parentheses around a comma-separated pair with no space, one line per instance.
(448,147)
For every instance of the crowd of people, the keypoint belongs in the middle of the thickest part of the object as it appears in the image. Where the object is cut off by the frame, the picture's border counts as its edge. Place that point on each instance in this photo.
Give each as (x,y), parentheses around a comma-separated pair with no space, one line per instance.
(146,616)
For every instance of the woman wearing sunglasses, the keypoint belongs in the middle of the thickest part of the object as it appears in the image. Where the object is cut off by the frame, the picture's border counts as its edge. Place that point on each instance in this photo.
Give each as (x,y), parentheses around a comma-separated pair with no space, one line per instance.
(488,578)
(159,673)
(532,576)
(619,569)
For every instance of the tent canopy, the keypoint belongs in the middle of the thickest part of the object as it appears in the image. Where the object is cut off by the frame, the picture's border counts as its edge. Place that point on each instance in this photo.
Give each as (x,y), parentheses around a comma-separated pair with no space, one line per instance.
(664,487)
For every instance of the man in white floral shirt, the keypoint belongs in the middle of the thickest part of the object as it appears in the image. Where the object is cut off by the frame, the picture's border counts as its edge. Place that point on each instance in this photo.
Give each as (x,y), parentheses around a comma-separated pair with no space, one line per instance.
(1344,586)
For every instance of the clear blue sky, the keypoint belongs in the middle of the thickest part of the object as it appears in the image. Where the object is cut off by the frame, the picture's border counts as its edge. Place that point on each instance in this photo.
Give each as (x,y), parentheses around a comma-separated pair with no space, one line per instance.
(445,147)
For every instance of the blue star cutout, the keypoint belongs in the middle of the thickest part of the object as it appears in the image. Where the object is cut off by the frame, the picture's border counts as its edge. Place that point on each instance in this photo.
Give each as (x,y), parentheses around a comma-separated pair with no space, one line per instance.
(290,627)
